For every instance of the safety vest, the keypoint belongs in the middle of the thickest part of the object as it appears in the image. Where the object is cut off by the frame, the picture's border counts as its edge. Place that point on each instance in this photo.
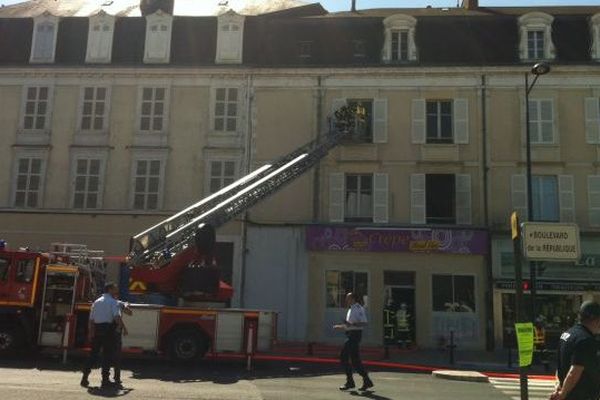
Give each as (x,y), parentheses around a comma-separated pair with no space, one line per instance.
(388,323)
(402,321)
(539,336)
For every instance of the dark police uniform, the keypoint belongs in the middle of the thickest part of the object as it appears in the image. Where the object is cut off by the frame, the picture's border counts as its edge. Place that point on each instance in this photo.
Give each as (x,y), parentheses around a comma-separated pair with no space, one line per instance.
(578,346)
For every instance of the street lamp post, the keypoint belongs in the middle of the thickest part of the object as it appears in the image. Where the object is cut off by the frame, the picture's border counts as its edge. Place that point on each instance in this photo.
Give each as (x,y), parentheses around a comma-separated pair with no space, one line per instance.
(537,70)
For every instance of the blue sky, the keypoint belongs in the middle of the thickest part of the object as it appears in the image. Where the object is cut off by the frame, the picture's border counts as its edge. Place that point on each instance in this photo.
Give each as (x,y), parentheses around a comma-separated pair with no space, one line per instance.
(337,5)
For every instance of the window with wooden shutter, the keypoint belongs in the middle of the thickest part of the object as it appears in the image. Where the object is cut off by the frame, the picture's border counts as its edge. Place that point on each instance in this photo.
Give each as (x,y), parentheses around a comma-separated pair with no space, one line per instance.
(592,120)
(380,198)
(519,195)
(461,121)
(380,121)
(417,199)
(336,197)
(463,199)
(566,198)
(418,121)
(594,199)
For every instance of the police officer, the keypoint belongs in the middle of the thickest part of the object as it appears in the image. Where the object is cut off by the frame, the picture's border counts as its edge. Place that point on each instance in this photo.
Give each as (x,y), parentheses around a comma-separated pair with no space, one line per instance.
(119,333)
(105,317)
(578,371)
(356,319)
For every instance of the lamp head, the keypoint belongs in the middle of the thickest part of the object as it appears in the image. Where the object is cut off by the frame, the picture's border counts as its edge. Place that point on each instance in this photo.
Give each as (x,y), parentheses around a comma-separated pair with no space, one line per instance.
(541,68)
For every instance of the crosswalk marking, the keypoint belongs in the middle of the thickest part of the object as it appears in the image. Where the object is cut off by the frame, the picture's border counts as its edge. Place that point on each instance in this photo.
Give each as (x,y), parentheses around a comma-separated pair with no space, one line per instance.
(538,389)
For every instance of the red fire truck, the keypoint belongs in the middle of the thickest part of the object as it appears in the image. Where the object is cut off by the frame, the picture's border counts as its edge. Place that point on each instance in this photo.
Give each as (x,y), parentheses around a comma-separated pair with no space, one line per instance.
(45,298)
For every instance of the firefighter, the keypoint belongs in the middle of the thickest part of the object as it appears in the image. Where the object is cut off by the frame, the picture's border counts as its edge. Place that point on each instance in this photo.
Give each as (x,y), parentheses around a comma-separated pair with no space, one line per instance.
(403,325)
(389,322)
(105,317)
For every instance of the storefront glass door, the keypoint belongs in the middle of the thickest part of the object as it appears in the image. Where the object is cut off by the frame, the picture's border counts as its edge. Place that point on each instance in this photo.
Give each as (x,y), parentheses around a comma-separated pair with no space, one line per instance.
(399,308)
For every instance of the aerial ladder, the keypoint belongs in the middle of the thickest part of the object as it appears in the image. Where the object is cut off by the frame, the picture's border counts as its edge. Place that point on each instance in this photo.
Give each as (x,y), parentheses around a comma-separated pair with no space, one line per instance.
(163,253)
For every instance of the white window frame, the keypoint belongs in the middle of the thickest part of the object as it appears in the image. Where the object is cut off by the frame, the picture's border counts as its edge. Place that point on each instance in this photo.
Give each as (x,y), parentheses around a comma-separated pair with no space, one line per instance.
(148,155)
(161,18)
(595,33)
(20,153)
(104,20)
(230,18)
(45,18)
(395,23)
(209,175)
(533,119)
(439,120)
(213,109)
(50,102)
(536,21)
(89,154)
(166,108)
(372,211)
(105,115)
(354,271)
(592,207)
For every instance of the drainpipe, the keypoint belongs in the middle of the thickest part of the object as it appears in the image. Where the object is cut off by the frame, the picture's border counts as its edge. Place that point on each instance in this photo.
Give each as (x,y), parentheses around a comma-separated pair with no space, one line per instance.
(489,295)
(246,170)
(317,174)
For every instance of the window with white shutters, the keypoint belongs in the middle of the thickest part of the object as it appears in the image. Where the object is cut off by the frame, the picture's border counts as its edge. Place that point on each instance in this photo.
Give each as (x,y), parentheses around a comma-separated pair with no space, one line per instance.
(336,197)
(440,194)
(226,110)
(359,197)
(418,201)
(100,38)
(592,120)
(87,185)
(44,39)
(153,109)
(566,198)
(463,199)
(221,174)
(36,108)
(439,121)
(541,121)
(148,175)
(229,41)
(546,202)
(380,198)
(594,199)
(94,108)
(519,195)
(158,38)
(28,182)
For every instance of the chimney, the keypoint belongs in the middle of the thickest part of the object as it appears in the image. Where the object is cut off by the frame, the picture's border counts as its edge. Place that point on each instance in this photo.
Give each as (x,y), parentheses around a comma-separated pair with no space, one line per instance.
(151,6)
(353,6)
(470,4)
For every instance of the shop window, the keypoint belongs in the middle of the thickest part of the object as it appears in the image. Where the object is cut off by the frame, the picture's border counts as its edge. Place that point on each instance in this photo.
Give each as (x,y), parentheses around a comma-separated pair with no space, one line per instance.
(453,293)
(4,267)
(440,191)
(545,198)
(340,283)
(359,197)
(25,269)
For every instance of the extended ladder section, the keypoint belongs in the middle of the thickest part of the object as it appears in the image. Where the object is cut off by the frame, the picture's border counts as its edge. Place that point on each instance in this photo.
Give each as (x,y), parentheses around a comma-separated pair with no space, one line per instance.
(173,235)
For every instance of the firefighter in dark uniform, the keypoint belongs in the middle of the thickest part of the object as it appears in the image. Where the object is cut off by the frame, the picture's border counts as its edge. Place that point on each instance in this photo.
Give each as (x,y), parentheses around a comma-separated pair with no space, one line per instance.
(578,372)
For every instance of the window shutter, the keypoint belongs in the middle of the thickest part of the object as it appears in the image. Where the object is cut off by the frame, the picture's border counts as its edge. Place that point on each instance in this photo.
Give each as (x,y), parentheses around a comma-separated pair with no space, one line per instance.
(380,128)
(418,121)
(463,199)
(380,198)
(461,121)
(594,199)
(592,120)
(519,195)
(417,199)
(566,198)
(336,197)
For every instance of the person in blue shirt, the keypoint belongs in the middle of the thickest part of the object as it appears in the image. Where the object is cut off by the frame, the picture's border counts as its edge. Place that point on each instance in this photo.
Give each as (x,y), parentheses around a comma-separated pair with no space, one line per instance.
(105,318)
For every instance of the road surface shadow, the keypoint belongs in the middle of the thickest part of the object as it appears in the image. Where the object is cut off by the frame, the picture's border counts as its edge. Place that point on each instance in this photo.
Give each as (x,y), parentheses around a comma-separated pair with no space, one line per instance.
(369,394)
(108,392)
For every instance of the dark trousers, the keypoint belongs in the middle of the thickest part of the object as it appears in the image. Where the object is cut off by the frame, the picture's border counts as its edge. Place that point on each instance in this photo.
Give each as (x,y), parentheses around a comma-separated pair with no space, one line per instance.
(104,339)
(117,355)
(351,353)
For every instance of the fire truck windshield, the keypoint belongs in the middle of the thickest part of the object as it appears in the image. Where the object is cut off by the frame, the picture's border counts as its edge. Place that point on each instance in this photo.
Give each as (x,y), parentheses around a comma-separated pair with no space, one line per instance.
(4,264)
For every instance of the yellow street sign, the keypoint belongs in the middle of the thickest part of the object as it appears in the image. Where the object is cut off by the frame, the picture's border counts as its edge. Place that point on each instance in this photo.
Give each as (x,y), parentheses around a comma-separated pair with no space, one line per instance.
(514,225)
(525,342)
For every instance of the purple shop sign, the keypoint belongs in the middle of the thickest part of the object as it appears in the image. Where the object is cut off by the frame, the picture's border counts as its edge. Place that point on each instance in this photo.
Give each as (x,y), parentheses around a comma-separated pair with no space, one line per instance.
(417,240)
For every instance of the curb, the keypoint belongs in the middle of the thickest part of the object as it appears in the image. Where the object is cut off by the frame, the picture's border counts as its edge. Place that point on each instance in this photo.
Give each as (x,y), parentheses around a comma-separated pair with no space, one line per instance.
(465,376)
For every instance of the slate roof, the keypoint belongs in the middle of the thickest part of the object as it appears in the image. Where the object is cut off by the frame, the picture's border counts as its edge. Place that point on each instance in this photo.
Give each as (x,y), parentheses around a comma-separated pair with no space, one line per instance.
(454,37)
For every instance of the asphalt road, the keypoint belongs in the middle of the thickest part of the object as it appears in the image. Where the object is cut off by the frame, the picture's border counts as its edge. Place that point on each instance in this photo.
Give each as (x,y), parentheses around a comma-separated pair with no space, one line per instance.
(48,380)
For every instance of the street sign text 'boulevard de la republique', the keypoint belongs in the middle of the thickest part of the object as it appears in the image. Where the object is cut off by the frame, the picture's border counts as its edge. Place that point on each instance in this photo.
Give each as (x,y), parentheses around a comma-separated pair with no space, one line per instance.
(547,241)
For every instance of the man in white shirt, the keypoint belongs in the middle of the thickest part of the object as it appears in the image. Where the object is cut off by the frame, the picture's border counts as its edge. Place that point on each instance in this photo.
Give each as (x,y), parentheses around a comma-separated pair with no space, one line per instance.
(356,320)
(105,317)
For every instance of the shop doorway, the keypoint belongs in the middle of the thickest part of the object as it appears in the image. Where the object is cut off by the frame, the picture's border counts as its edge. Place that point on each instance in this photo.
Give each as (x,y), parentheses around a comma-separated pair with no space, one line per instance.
(399,319)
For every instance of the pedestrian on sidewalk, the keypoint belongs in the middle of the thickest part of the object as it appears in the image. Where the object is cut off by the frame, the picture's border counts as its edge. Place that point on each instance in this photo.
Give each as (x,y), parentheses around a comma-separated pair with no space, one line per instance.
(356,320)
(578,372)
(105,317)
(119,333)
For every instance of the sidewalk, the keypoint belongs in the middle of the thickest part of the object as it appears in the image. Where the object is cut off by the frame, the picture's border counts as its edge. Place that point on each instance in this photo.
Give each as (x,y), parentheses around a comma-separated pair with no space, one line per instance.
(481,360)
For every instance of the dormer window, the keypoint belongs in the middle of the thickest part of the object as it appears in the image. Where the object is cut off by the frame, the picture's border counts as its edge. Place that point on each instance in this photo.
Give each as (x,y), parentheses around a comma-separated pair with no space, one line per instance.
(536,37)
(100,38)
(399,45)
(230,38)
(158,37)
(43,48)
(595,32)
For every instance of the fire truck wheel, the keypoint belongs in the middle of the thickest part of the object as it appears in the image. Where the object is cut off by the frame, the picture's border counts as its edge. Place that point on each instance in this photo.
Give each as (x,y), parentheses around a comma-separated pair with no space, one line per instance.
(9,341)
(187,345)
